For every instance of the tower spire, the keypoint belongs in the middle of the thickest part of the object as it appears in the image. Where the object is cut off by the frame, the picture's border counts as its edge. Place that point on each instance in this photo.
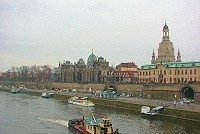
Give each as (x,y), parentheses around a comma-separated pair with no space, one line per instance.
(165,32)
(178,56)
(153,60)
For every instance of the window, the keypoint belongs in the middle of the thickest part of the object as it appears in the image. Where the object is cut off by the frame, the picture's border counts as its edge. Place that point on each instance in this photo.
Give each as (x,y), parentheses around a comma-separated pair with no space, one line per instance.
(143,73)
(179,80)
(185,80)
(195,71)
(190,72)
(146,73)
(185,72)
(149,73)
(175,72)
(170,72)
(182,72)
(140,73)
(164,80)
(154,73)
(178,72)
(182,80)
(170,80)
(174,80)
(164,72)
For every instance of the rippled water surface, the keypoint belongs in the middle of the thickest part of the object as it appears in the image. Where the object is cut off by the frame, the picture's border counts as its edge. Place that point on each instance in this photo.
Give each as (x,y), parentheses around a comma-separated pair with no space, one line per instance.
(26,114)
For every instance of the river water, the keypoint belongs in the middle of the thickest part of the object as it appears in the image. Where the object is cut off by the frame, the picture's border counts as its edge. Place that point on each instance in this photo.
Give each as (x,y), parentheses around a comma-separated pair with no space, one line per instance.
(26,114)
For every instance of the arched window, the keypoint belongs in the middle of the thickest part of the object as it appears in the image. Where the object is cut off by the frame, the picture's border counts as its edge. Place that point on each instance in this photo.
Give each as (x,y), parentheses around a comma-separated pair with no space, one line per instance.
(190,72)
(195,71)
(185,72)
(164,72)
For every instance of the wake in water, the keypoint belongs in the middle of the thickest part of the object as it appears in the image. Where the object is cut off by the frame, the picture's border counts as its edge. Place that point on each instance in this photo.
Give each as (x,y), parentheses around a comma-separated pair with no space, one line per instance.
(56,121)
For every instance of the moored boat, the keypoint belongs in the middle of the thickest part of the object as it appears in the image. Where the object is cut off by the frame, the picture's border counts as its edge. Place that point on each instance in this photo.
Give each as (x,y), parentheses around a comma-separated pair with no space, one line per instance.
(147,112)
(159,108)
(14,91)
(81,101)
(47,95)
(92,126)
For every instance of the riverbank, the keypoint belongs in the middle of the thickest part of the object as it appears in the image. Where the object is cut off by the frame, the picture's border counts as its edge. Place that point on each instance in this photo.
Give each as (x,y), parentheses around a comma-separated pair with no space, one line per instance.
(124,103)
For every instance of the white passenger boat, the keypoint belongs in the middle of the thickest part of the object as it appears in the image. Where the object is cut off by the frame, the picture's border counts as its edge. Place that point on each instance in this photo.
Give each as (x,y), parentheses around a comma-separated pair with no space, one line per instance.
(81,101)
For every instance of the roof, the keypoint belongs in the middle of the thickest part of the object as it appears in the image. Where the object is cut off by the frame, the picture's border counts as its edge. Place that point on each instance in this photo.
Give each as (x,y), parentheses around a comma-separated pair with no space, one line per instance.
(128,65)
(91,59)
(91,121)
(81,62)
(172,65)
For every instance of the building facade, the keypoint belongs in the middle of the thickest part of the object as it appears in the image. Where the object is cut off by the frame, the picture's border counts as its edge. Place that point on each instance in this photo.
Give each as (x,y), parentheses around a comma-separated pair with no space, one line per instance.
(165,50)
(127,72)
(97,70)
(170,72)
(166,69)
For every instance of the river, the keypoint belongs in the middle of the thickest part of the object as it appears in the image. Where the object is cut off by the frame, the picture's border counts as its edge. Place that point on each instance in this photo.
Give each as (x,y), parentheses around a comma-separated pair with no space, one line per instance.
(27,114)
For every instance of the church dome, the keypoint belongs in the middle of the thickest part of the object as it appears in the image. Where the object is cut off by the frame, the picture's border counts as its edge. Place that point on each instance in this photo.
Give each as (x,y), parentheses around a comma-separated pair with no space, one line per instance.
(101,58)
(81,62)
(91,59)
(67,62)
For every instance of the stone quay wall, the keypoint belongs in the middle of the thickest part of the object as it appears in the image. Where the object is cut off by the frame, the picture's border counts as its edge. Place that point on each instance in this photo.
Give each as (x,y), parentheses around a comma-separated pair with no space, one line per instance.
(149,91)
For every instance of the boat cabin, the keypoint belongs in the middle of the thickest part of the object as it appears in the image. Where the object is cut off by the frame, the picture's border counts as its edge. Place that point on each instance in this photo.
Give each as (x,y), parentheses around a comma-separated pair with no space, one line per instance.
(99,126)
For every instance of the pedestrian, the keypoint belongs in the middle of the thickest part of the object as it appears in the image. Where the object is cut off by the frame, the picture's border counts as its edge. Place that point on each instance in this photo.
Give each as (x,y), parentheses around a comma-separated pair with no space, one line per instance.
(188,103)
(174,103)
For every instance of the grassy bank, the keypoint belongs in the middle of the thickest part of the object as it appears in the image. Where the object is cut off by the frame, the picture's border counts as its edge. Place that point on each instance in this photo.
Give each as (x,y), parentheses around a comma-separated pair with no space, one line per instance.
(188,115)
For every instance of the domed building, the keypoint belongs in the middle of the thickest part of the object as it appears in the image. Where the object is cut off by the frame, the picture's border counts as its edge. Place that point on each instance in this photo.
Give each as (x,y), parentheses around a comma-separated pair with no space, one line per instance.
(91,60)
(166,69)
(165,50)
(97,70)
(81,63)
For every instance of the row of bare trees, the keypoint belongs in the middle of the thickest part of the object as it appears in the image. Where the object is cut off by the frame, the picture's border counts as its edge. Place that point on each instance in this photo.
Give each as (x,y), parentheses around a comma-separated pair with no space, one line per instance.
(26,73)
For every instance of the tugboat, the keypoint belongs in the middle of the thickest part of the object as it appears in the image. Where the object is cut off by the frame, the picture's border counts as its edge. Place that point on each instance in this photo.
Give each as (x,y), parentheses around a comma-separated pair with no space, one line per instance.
(92,126)
(146,112)
(81,101)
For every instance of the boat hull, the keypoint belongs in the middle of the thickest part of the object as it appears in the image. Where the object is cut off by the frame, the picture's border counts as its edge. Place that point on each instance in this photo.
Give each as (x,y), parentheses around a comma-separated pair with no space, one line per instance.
(76,125)
(81,104)
(46,95)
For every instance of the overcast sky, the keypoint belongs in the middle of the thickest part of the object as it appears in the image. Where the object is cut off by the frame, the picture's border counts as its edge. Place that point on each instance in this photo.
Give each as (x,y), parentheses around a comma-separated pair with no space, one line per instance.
(44,32)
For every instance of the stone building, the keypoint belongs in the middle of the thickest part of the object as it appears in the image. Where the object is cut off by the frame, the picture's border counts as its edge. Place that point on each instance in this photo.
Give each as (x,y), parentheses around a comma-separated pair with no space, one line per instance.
(170,72)
(165,69)
(165,50)
(127,72)
(96,70)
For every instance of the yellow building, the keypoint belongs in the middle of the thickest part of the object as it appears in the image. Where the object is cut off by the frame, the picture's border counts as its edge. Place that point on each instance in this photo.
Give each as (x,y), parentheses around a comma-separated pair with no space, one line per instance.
(170,72)
(165,68)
